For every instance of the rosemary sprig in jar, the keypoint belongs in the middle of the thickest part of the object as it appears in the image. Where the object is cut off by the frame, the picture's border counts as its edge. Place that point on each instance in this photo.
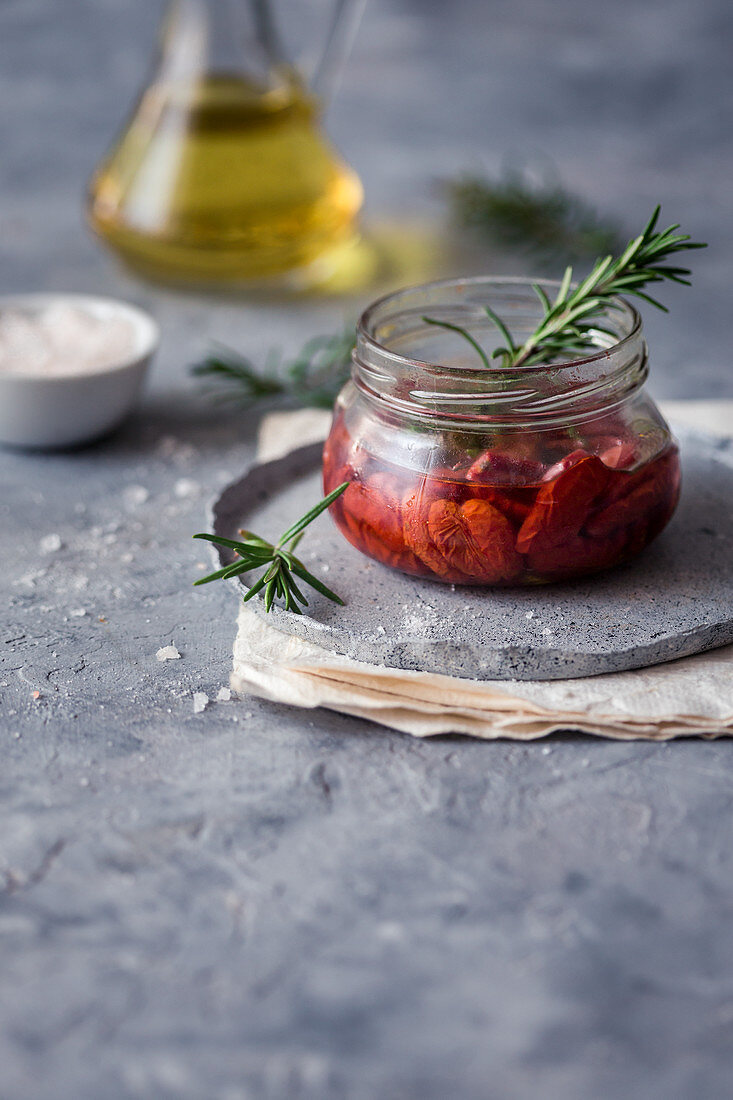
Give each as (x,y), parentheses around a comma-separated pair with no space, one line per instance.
(283,567)
(571,322)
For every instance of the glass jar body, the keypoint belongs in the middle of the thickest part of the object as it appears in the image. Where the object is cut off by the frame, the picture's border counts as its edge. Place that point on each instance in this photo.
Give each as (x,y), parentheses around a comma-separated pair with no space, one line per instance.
(505,500)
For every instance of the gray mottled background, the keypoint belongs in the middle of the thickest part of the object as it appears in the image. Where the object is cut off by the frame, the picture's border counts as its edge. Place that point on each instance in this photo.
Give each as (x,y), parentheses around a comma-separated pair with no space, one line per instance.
(259,903)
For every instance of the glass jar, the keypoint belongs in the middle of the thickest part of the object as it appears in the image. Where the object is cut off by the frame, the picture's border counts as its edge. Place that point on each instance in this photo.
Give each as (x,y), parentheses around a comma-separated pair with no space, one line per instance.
(502,476)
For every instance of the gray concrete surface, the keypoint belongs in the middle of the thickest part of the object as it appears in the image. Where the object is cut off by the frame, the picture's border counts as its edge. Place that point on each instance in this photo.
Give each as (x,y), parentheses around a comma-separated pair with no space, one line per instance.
(257,903)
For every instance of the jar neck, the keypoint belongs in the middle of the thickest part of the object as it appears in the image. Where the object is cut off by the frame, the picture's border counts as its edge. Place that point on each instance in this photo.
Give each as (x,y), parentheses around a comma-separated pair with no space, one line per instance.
(420,371)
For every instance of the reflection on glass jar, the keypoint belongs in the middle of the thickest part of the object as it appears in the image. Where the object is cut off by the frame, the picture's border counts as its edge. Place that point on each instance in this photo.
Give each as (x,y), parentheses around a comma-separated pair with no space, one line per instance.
(496,477)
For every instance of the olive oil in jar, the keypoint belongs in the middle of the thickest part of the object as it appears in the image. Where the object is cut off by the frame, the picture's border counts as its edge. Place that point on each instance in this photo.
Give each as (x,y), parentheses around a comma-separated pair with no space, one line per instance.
(223,181)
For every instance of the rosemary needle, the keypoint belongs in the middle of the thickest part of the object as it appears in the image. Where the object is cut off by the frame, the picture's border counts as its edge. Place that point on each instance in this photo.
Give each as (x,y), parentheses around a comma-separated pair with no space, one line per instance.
(282,567)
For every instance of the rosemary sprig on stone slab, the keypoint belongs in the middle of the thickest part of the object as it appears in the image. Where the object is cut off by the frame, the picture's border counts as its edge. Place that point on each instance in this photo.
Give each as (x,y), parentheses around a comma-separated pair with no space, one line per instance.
(278,560)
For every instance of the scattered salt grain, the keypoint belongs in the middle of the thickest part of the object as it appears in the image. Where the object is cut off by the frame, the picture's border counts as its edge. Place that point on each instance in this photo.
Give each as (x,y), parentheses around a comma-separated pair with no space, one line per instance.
(529,615)
(50,544)
(31,577)
(134,495)
(223,695)
(170,447)
(167,653)
(200,700)
(77,612)
(186,487)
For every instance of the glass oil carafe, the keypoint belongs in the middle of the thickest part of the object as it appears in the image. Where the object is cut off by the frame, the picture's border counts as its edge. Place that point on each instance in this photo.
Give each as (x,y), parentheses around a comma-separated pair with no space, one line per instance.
(223,174)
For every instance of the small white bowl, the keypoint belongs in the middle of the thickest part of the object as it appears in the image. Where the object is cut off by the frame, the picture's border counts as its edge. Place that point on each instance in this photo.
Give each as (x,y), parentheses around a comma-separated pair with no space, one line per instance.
(52,411)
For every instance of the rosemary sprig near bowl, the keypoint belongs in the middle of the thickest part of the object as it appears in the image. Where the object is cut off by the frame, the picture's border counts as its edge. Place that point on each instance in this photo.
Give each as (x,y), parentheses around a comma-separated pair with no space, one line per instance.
(313,378)
(283,567)
(538,216)
(572,321)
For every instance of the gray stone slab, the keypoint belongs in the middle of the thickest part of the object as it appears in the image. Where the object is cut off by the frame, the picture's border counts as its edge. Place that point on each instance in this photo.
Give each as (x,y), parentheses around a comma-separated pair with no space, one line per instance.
(675,599)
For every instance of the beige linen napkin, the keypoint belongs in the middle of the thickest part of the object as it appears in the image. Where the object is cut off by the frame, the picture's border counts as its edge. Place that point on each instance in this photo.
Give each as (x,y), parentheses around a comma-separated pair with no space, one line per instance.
(691,696)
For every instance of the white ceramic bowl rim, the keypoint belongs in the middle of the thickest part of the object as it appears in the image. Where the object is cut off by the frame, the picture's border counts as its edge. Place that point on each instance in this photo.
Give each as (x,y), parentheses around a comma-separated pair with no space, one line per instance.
(146,332)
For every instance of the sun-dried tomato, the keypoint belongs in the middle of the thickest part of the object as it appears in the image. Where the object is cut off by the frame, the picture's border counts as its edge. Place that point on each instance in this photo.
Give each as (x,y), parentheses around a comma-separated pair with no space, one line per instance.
(625,510)
(501,468)
(416,505)
(375,504)
(565,463)
(515,504)
(492,532)
(619,455)
(577,555)
(472,542)
(561,505)
(647,496)
(372,514)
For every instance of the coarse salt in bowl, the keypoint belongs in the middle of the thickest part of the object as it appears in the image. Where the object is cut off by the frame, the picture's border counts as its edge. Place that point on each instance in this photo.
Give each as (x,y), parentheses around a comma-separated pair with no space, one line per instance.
(71,367)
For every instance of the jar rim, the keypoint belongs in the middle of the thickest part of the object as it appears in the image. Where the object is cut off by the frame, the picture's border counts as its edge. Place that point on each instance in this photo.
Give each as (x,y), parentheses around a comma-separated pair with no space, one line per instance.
(565,388)
(366,323)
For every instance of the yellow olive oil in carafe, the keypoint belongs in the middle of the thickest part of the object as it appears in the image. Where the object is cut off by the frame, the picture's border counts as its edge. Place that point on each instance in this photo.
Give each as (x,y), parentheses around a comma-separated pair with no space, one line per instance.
(221,181)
